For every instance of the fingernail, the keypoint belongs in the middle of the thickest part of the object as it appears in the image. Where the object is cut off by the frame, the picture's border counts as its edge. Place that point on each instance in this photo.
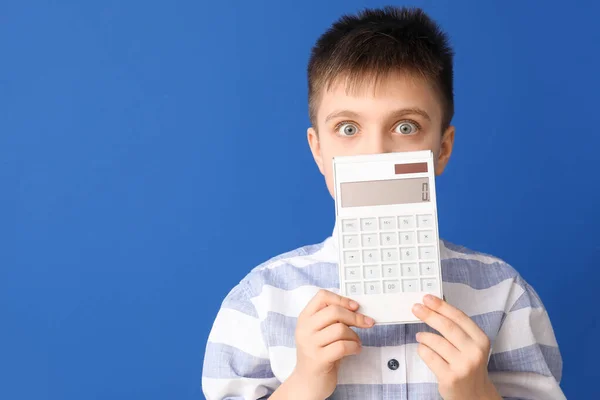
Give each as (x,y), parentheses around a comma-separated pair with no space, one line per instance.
(369,320)
(418,308)
(353,304)
(431,299)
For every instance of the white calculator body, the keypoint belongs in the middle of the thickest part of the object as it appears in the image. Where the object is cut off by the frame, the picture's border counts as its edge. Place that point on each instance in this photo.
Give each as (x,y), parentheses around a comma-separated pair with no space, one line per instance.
(387,231)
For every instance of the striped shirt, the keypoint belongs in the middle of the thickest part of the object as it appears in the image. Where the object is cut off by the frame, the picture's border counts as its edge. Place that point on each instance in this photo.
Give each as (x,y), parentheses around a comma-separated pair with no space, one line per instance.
(251,347)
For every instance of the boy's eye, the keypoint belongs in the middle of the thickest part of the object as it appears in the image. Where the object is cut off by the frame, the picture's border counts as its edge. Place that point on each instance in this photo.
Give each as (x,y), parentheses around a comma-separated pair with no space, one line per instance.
(406,128)
(347,129)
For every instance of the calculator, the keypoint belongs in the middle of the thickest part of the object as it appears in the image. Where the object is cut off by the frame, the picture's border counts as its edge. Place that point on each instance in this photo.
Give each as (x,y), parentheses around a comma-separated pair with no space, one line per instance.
(387,231)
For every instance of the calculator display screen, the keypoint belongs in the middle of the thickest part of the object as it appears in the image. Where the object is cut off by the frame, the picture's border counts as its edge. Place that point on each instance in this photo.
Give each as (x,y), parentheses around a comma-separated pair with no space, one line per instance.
(387,192)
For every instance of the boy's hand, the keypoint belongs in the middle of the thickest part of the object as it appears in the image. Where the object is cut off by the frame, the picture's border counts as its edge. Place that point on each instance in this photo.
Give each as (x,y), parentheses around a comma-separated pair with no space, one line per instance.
(458,359)
(323,338)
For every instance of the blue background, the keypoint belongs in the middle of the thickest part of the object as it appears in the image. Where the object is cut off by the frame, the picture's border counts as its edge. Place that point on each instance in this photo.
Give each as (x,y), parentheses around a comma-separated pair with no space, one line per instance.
(152,153)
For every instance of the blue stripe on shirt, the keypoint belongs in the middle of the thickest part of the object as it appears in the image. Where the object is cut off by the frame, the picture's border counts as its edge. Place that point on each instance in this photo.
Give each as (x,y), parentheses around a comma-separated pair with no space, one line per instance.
(223,361)
(537,358)
(238,299)
(278,330)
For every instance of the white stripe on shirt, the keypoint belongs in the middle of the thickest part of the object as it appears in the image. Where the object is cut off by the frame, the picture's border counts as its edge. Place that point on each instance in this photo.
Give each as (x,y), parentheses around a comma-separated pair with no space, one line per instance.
(512,337)
(239,388)
(526,386)
(226,330)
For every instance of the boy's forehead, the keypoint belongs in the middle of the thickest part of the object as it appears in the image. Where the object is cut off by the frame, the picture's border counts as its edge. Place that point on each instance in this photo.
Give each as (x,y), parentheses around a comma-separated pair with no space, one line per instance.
(377,94)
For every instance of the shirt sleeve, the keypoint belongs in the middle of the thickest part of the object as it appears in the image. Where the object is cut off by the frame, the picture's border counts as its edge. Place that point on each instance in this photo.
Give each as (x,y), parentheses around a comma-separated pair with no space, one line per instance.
(236,361)
(525,362)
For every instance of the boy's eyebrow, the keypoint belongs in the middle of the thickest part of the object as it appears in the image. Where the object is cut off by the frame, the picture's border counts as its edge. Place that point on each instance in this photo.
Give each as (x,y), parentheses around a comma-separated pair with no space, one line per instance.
(397,113)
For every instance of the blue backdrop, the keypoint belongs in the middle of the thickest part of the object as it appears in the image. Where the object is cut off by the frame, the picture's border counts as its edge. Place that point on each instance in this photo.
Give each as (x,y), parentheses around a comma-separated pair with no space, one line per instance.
(152,153)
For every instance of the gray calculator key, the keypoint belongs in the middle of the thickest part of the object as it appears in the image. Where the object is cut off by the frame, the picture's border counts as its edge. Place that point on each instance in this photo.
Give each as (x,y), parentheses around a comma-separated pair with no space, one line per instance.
(389,239)
(407,238)
(370,256)
(349,225)
(430,285)
(353,273)
(428,268)
(406,222)
(351,257)
(351,241)
(409,254)
(425,221)
(353,288)
(373,287)
(426,237)
(387,223)
(390,271)
(369,240)
(388,255)
(372,272)
(391,286)
(410,270)
(410,285)
(368,224)
(427,253)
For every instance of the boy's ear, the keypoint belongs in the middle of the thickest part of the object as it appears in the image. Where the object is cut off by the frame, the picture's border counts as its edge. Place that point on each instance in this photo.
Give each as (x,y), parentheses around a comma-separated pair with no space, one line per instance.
(445,150)
(315,147)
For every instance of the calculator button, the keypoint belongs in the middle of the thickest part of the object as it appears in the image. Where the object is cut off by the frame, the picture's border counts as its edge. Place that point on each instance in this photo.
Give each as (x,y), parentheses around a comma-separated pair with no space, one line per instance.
(388,255)
(372,272)
(407,238)
(351,257)
(387,223)
(391,286)
(349,225)
(410,285)
(428,268)
(406,222)
(429,285)
(409,270)
(370,256)
(353,288)
(390,271)
(427,253)
(425,221)
(352,273)
(426,237)
(409,254)
(372,287)
(369,240)
(389,239)
(350,241)
(368,224)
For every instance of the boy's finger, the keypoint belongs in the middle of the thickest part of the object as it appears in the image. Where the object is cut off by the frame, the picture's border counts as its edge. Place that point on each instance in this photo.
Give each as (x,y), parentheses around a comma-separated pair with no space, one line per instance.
(333,314)
(440,345)
(324,298)
(335,332)
(456,315)
(444,325)
(338,350)
(434,361)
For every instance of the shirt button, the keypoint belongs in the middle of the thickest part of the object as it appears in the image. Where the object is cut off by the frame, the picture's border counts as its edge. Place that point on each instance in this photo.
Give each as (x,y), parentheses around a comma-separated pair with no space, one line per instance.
(393,364)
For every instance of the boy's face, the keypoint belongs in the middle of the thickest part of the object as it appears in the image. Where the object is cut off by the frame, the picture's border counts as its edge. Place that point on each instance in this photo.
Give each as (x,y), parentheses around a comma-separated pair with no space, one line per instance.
(371,122)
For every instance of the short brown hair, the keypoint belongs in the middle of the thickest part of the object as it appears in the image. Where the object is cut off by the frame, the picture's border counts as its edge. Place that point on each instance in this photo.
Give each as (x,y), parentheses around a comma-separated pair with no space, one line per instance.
(377,42)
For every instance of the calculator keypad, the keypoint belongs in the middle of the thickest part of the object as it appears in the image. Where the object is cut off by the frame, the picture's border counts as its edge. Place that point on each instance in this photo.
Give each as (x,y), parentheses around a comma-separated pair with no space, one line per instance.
(389,254)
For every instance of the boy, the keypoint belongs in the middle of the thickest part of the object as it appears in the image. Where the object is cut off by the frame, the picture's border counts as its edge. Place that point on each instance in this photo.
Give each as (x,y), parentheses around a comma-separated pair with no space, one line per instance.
(381,81)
